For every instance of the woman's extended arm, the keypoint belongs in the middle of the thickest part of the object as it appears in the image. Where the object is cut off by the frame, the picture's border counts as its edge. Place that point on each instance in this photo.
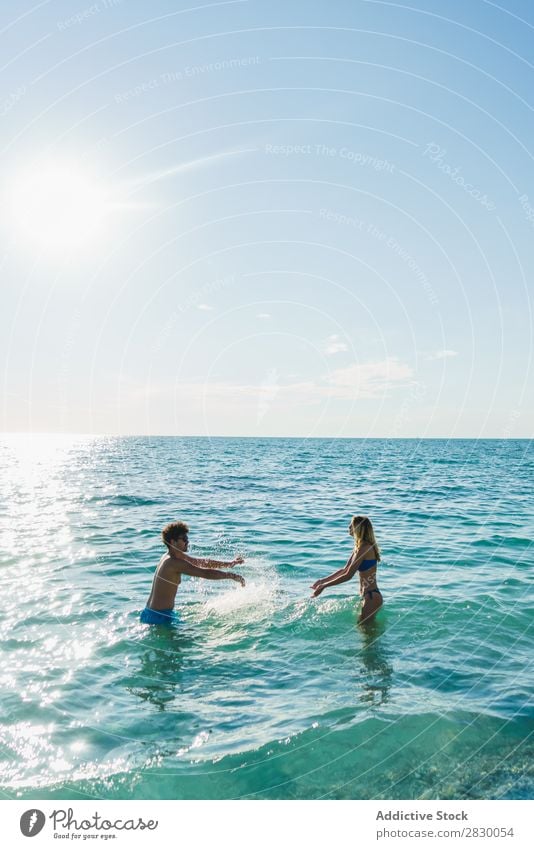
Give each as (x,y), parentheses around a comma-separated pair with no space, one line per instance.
(345,575)
(337,574)
(340,576)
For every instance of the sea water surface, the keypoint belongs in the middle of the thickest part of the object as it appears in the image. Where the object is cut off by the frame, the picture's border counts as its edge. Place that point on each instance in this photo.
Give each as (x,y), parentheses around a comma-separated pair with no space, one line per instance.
(264,692)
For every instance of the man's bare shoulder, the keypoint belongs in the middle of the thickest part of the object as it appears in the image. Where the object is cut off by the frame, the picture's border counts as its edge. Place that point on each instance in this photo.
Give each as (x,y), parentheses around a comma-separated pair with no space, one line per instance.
(171,564)
(167,563)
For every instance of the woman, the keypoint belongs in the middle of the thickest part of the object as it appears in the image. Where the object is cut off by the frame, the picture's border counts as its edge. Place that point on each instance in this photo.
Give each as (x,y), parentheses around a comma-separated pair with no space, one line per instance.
(363,559)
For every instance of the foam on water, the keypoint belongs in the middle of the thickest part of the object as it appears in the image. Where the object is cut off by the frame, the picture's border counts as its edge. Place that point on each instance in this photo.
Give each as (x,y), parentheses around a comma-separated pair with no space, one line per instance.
(256,600)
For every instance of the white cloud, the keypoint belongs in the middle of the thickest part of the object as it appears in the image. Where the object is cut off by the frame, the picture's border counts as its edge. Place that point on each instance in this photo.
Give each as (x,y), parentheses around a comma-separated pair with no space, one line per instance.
(441,355)
(369,380)
(267,392)
(204,307)
(358,381)
(334,345)
(263,315)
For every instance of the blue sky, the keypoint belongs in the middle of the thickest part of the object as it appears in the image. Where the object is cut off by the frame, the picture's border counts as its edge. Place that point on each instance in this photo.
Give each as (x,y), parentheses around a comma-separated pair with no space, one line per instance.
(251,218)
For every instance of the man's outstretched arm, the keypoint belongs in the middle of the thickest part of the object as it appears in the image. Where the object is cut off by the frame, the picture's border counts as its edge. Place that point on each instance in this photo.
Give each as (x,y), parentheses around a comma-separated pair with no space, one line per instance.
(205,562)
(211,574)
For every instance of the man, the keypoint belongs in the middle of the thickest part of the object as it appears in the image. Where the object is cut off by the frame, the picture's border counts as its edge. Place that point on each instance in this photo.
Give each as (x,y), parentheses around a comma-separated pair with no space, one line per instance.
(160,605)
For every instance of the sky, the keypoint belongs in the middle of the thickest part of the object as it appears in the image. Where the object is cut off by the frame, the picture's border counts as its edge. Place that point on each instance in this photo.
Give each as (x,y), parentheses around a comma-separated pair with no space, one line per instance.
(267,219)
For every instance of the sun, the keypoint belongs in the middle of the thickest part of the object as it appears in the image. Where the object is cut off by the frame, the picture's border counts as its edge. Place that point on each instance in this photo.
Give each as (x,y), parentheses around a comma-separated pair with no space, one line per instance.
(58,205)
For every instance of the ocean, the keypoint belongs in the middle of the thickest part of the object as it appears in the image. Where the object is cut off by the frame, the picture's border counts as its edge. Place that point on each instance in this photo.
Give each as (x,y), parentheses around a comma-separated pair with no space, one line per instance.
(262,692)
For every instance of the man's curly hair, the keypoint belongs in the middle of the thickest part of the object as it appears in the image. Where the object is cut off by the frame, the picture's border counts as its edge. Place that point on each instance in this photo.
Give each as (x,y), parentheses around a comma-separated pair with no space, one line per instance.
(174,531)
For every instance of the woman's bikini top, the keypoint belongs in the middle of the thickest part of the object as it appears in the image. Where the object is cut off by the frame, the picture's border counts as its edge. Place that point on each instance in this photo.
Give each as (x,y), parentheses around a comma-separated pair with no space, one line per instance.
(370,563)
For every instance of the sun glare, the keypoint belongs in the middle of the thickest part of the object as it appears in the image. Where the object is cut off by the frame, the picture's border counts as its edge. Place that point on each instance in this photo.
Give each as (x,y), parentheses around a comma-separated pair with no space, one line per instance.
(58,206)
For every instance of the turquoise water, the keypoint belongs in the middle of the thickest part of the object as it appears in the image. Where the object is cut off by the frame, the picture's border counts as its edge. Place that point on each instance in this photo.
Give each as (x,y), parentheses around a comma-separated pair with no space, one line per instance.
(263,692)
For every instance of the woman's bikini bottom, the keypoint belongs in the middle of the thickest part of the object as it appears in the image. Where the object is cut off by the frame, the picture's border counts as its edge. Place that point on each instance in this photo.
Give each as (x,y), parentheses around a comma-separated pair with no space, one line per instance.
(370,592)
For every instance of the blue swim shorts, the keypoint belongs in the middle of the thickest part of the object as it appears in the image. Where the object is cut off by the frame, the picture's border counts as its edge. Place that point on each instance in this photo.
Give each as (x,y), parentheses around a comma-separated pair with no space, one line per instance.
(158,617)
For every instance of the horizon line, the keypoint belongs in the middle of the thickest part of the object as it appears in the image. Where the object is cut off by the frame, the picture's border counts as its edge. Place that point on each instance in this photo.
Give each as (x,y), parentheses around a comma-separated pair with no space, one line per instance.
(247,436)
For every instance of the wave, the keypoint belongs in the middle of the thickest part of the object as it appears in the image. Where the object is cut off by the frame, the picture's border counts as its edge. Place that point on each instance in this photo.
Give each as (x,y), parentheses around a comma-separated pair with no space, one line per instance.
(501,540)
(125,500)
(430,756)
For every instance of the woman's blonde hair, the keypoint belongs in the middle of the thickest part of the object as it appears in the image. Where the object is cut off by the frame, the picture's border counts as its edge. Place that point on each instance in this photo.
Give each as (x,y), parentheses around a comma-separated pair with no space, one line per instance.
(361,529)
